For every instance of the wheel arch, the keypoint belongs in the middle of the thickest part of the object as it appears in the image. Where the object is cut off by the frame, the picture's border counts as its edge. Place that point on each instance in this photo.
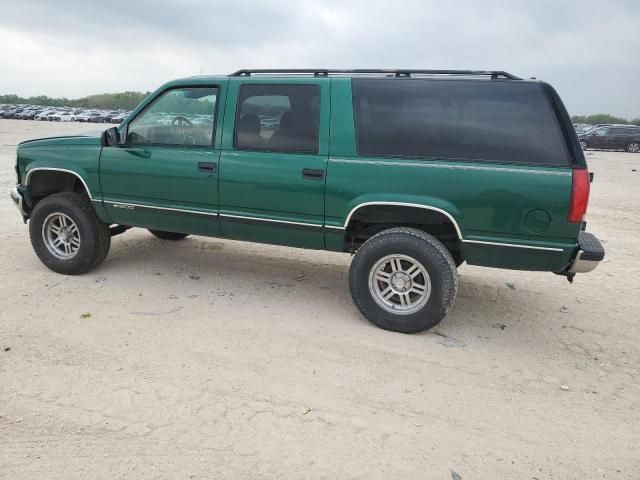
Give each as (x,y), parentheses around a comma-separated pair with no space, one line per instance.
(371,217)
(60,176)
(401,204)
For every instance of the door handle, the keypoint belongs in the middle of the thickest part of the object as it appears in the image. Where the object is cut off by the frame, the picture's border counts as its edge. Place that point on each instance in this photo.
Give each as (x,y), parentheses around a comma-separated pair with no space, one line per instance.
(139,152)
(313,173)
(209,167)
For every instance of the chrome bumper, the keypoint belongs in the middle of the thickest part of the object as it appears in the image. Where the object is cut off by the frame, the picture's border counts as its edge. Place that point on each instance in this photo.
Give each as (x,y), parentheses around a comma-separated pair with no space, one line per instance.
(19,201)
(590,254)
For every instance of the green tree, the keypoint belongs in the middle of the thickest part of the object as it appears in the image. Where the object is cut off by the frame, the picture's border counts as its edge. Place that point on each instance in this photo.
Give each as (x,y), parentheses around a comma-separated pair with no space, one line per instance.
(600,118)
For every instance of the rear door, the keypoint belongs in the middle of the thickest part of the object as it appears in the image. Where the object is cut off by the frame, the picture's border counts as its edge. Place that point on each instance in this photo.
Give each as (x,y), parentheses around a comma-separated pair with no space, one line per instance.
(165,177)
(599,137)
(617,137)
(274,159)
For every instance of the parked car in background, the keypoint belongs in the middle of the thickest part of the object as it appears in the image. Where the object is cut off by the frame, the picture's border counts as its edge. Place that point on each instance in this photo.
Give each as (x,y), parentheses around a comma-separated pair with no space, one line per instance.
(43,114)
(67,117)
(119,118)
(612,137)
(582,127)
(64,114)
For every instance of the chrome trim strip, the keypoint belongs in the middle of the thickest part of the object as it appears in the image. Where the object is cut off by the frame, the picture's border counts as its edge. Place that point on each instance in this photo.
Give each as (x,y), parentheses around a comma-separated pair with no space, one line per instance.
(430,164)
(514,245)
(229,215)
(403,204)
(26,181)
(319,225)
(182,210)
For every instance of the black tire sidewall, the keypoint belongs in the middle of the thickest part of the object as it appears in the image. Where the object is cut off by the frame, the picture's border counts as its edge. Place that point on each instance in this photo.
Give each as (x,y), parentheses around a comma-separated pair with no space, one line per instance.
(437,265)
(83,260)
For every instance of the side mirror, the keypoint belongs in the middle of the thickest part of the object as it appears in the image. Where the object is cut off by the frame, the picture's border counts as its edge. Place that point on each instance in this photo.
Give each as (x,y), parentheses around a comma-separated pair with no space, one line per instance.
(110,137)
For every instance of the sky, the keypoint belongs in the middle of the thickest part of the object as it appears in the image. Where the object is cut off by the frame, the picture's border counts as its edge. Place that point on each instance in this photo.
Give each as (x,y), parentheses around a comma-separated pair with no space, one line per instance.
(589,50)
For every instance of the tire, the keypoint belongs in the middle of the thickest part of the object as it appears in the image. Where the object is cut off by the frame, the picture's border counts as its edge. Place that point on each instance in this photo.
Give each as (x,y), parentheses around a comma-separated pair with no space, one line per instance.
(168,235)
(633,147)
(584,145)
(71,210)
(436,276)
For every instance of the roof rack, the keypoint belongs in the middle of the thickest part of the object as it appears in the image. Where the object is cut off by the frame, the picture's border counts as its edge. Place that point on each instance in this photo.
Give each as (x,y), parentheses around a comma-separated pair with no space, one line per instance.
(323,72)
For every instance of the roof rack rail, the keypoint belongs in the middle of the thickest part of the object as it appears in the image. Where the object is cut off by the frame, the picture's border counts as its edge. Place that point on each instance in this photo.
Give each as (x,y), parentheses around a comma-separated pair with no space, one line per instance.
(405,72)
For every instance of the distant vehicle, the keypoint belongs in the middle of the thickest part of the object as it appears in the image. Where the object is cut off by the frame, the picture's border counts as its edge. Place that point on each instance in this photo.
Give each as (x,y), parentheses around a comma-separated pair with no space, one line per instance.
(582,127)
(13,113)
(119,118)
(612,137)
(53,116)
(44,114)
(91,116)
(67,117)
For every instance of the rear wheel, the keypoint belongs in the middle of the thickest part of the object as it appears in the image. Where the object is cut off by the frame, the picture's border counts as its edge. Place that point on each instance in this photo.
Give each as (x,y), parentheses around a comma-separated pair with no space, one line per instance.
(403,280)
(168,235)
(633,147)
(67,235)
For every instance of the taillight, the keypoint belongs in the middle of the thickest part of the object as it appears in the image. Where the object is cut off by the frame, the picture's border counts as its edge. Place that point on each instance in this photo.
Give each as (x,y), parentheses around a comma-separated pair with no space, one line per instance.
(579,196)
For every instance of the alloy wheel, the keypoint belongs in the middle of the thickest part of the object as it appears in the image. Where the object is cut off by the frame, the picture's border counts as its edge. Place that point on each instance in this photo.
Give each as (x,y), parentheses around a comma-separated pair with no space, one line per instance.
(61,236)
(399,284)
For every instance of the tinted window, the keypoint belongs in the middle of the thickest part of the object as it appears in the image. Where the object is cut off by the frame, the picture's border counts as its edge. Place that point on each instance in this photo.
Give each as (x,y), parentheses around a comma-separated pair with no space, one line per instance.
(475,120)
(617,131)
(182,116)
(281,118)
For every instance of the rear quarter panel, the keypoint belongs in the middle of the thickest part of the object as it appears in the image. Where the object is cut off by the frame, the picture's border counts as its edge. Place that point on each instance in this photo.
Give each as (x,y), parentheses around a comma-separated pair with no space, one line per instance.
(488,201)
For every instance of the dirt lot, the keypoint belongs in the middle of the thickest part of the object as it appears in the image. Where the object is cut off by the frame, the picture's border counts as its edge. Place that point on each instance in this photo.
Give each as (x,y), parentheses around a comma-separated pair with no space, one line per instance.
(210,358)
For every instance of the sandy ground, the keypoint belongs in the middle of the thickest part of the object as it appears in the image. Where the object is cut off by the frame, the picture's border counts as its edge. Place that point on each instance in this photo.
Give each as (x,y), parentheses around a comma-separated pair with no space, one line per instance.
(210,358)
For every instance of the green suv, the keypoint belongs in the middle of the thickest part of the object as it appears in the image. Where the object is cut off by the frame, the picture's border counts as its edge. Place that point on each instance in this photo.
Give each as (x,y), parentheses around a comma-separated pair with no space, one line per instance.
(412,171)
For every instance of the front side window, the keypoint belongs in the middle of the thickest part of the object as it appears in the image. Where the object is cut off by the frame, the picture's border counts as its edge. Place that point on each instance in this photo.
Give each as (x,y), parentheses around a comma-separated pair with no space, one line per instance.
(182,116)
(456,119)
(600,132)
(278,118)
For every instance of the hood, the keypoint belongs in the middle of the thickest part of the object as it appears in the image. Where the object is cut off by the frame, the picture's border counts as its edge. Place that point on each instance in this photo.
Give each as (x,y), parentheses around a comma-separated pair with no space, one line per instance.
(89,138)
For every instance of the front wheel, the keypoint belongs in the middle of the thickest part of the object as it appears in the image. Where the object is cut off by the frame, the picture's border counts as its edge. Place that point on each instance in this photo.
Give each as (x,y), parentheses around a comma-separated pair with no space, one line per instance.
(168,235)
(67,235)
(403,280)
(633,147)
(584,145)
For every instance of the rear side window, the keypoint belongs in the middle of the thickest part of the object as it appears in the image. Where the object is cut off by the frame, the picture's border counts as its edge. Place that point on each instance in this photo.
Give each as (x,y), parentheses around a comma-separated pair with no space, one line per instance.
(457,119)
(278,118)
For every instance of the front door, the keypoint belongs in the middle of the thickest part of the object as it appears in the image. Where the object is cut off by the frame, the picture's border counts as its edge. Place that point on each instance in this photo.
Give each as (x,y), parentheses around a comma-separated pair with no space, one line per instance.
(599,138)
(165,175)
(274,160)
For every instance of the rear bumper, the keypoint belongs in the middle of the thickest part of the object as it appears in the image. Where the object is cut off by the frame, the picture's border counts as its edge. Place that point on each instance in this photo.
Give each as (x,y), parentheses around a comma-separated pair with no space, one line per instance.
(590,254)
(16,196)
